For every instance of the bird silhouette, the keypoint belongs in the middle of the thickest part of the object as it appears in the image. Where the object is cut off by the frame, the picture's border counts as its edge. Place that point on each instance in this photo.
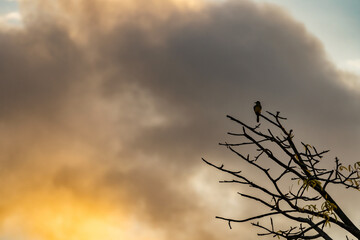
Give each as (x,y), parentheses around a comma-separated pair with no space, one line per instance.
(257,110)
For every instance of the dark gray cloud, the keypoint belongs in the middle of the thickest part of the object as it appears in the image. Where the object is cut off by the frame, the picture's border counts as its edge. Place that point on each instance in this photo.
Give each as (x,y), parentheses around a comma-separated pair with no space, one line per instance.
(117,102)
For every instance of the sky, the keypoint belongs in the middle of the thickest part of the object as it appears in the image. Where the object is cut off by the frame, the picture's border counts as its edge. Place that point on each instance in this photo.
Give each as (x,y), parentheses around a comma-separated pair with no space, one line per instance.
(106,108)
(334,23)
(9,13)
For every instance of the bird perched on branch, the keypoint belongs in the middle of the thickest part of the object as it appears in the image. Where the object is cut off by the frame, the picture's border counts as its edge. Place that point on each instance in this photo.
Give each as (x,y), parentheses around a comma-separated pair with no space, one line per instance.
(257,110)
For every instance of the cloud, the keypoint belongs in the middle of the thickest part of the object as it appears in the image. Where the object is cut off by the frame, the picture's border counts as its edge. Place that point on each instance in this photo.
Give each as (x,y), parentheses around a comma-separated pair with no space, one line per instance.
(13,16)
(11,19)
(353,65)
(107,107)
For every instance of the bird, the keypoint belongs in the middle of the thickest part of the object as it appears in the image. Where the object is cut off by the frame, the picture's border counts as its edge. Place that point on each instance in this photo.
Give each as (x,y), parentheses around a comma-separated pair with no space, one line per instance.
(257,110)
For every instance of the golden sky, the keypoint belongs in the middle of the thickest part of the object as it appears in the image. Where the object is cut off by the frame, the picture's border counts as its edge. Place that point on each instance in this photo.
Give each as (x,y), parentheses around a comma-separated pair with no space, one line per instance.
(106,108)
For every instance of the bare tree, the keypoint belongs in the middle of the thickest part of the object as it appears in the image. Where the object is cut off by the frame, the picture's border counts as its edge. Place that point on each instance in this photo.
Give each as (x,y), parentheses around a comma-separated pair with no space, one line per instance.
(299,188)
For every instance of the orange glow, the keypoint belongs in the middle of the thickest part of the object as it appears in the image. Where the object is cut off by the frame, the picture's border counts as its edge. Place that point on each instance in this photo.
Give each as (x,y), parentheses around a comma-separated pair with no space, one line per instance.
(59,215)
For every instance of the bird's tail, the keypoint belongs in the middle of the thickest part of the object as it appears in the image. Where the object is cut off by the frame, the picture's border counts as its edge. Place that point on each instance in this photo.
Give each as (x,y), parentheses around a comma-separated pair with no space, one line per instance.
(257,118)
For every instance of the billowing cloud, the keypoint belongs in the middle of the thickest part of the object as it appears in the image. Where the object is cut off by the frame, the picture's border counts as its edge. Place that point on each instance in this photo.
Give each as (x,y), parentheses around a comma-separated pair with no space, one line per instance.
(107,107)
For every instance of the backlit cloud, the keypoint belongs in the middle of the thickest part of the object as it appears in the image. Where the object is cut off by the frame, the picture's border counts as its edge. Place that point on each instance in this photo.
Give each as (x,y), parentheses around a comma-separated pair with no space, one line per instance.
(107,107)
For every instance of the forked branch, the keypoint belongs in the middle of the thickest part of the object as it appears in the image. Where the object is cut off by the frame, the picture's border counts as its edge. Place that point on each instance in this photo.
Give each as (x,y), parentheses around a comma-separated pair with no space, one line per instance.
(306,199)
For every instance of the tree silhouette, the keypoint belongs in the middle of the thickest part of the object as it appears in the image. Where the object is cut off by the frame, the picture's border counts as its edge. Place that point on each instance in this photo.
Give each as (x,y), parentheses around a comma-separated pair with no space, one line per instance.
(299,188)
